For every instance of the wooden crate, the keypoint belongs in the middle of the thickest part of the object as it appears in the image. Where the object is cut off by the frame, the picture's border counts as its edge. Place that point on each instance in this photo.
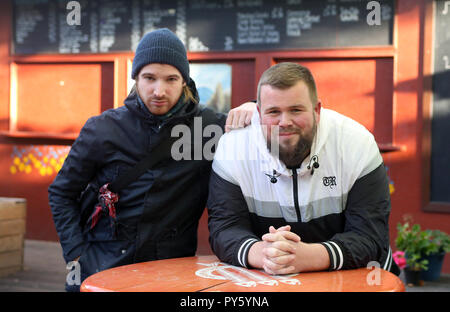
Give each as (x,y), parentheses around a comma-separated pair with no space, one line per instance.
(12,232)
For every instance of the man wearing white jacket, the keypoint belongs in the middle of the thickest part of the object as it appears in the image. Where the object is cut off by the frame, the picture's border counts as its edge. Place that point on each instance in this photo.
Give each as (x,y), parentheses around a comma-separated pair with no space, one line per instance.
(303,188)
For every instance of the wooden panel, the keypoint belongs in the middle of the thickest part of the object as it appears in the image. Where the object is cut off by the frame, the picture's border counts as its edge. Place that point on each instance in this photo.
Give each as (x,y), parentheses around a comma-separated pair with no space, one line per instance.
(11,227)
(12,208)
(73,92)
(10,243)
(358,88)
(12,213)
(243,85)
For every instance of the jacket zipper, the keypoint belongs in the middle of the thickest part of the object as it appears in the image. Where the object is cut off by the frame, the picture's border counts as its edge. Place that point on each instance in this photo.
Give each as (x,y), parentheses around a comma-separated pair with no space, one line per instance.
(295,190)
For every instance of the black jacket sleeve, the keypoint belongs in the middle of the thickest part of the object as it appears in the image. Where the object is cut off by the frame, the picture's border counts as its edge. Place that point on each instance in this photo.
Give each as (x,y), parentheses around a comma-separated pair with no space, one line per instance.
(230,231)
(366,234)
(78,170)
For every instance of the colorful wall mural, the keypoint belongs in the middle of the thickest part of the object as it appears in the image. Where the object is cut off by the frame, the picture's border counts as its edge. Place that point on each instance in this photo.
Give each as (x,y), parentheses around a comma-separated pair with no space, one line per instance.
(43,160)
(47,160)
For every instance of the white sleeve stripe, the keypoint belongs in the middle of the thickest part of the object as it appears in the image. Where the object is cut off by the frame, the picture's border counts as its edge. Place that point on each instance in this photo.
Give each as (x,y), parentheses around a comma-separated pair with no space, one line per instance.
(243,251)
(332,254)
(388,263)
(244,254)
(340,256)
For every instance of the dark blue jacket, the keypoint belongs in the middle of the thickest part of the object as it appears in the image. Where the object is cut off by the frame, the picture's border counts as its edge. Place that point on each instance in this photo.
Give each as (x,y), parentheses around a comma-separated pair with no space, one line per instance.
(157,215)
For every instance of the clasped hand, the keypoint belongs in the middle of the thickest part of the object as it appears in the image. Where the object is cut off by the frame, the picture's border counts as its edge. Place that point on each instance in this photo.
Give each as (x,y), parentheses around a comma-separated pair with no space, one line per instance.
(280,251)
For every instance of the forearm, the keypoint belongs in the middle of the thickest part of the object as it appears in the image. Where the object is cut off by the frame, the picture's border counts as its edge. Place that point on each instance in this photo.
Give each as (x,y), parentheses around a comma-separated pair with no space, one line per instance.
(311,257)
(255,255)
(230,233)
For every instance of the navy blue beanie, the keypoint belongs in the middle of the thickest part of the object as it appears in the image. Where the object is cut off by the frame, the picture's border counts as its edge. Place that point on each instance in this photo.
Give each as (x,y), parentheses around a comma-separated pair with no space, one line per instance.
(164,47)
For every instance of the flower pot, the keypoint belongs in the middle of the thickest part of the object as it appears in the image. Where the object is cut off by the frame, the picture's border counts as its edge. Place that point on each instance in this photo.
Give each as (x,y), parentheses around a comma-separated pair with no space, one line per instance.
(412,278)
(434,267)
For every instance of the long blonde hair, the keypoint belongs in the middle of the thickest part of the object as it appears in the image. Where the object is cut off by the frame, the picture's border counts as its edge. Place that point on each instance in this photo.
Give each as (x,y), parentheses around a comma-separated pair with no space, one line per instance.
(188,95)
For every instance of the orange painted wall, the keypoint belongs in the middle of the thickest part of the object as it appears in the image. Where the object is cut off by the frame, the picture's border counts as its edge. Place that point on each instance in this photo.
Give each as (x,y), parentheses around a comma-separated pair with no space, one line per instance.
(407,164)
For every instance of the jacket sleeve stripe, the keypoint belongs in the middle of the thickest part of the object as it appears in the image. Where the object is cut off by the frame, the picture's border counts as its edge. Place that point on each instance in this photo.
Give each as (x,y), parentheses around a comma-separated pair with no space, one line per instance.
(336,255)
(243,251)
(388,263)
(339,254)
(331,254)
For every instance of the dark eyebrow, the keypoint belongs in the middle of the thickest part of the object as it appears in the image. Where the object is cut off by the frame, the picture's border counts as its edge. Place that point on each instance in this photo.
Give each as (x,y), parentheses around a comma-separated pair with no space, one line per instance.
(152,74)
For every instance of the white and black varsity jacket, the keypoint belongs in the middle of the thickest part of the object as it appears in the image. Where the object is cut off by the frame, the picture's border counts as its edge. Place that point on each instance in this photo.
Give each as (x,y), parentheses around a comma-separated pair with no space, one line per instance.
(343,204)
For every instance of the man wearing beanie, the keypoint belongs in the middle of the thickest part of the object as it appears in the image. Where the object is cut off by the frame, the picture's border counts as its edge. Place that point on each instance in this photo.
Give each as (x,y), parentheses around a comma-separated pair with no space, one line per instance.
(156,215)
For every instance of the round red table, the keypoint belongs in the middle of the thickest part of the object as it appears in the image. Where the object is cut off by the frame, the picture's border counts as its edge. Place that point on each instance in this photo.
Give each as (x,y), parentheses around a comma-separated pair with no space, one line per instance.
(207,273)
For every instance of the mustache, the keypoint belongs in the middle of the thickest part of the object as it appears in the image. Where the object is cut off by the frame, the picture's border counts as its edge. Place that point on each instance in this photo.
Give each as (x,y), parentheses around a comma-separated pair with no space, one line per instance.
(158,98)
(282,130)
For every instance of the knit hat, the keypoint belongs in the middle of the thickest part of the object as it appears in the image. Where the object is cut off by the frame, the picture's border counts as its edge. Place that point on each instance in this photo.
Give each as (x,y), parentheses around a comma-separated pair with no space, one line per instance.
(161,46)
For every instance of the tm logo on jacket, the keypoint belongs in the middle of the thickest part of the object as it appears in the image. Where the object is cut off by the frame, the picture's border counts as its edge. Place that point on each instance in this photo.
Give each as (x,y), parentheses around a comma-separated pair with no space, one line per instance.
(329,181)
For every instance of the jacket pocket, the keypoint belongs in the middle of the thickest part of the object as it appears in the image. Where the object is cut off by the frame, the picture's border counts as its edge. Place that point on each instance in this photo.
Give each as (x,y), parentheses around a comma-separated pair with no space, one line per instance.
(100,256)
(105,228)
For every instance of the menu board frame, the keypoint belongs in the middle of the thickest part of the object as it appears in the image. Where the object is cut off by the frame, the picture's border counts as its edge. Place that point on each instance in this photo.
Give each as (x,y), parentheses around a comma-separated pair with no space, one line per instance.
(45,27)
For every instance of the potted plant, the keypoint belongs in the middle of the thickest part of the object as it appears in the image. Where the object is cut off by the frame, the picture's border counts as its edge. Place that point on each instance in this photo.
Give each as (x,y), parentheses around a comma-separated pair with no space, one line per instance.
(421,248)
(415,244)
(440,246)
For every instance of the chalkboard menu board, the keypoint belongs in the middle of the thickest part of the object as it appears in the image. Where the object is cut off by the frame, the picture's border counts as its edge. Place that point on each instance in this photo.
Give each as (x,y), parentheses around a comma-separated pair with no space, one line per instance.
(41,26)
(440,124)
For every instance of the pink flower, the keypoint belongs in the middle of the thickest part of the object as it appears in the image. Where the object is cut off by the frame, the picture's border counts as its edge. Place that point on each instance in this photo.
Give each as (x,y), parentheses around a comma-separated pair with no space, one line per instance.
(399,258)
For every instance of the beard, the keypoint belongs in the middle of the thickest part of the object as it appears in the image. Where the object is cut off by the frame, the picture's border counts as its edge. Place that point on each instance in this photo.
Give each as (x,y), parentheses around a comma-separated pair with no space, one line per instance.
(293,156)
